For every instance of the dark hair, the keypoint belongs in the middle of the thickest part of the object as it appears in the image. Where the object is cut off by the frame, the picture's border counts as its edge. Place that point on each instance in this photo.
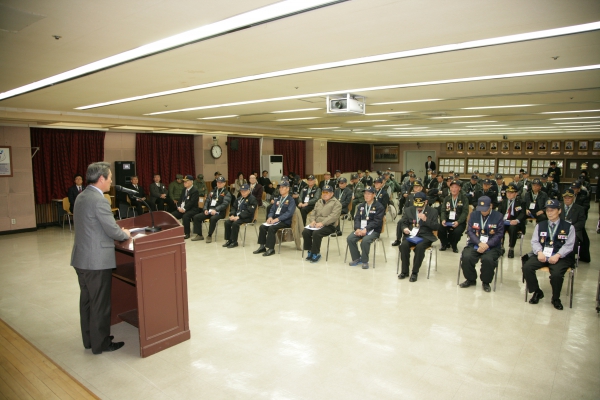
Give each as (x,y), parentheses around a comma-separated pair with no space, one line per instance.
(265,171)
(156,173)
(76,175)
(240,173)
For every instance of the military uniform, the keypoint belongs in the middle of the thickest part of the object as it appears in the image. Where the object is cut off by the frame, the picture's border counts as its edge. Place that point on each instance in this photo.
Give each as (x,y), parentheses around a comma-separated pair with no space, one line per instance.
(453,210)
(535,202)
(217,200)
(425,231)
(308,196)
(175,189)
(283,210)
(358,194)
(369,217)
(489,230)
(513,211)
(244,208)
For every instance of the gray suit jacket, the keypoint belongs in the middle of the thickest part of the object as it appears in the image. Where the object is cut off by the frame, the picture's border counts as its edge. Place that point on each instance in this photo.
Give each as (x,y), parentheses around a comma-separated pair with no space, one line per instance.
(95,232)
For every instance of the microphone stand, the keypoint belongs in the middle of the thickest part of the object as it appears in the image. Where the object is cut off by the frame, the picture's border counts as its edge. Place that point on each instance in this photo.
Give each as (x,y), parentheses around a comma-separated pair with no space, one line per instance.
(152,228)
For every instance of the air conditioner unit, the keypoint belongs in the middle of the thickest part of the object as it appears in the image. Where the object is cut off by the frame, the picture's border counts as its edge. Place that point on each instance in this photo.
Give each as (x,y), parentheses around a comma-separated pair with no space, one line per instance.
(345,104)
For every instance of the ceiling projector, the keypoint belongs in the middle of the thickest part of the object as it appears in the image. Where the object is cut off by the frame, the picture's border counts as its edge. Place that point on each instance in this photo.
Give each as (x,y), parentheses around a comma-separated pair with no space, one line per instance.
(345,104)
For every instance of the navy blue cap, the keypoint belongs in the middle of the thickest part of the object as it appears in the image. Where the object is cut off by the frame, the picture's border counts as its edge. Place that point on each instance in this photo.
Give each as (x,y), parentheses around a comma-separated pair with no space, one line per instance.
(284,183)
(512,187)
(418,183)
(576,184)
(342,180)
(476,171)
(354,176)
(536,181)
(378,180)
(544,176)
(419,199)
(474,177)
(569,192)
(244,187)
(337,170)
(552,203)
(188,178)
(499,176)
(220,179)
(483,203)
(488,174)
(311,178)
(487,181)
(455,182)
(327,188)
(370,189)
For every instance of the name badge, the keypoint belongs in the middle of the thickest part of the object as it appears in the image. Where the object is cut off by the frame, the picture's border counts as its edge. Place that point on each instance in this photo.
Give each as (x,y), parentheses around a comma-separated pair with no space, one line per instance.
(499,198)
(306,199)
(452,215)
(213,203)
(363,223)
(548,251)
(524,187)
(414,232)
(483,239)
(278,211)
(532,206)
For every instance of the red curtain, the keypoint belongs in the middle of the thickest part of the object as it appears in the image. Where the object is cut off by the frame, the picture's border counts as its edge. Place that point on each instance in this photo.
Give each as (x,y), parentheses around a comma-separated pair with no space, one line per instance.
(348,157)
(294,155)
(246,159)
(165,154)
(62,154)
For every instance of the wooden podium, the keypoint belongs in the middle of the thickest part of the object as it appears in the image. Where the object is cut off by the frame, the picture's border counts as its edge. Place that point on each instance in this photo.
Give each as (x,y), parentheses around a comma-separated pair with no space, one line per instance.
(149,285)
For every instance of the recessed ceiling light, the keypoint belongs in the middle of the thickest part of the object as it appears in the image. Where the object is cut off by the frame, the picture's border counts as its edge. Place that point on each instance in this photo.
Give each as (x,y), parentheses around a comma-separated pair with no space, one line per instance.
(412,128)
(574,118)
(220,116)
(471,122)
(567,112)
(328,127)
(138,128)
(403,85)
(296,119)
(509,106)
(576,122)
(404,102)
(298,110)
(479,126)
(381,126)
(342,130)
(389,113)
(464,116)
(366,120)
(577,126)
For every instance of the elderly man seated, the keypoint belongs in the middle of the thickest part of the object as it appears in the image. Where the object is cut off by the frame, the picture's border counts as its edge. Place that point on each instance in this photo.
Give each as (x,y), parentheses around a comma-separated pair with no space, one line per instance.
(552,244)
(418,223)
(280,216)
(241,212)
(321,223)
(368,223)
(485,231)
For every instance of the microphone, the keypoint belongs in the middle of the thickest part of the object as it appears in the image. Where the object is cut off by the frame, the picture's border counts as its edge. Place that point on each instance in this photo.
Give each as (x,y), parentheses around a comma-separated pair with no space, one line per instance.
(136,195)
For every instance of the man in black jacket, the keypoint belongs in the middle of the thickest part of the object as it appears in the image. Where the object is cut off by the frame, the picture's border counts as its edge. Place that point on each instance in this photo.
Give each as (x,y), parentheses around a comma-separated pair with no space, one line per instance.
(327,181)
(241,212)
(418,223)
(514,216)
(75,190)
(581,197)
(187,206)
(266,182)
(215,207)
(535,201)
(368,223)
(134,202)
(485,232)
(344,194)
(575,214)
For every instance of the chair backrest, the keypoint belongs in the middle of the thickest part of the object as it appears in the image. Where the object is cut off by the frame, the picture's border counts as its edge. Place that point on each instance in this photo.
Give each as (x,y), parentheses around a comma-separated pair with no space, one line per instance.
(66,205)
(383,226)
(108,198)
(201,201)
(264,196)
(255,214)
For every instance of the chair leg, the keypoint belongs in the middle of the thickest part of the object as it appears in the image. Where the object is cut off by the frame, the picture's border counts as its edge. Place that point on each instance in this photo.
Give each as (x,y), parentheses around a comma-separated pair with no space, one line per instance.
(375,251)
(327,253)
(521,246)
(436,258)
(346,254)
(398,262)
(496,275)
(384,255)
(244,241)
(459,265)
(502,270)
(338,245)
(572,281)
(429,268)
(525,290)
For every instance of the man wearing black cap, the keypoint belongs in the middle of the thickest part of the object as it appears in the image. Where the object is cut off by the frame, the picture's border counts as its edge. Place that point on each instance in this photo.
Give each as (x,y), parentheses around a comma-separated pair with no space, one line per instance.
(322,223)
(455,210)
(490,176)
(338,175)
(416,188)
(581,197)
(501,188)
(308,197)
(406,190)
(427,180)
(526,183)
(279,217)
(552,188)
(535,201)
(215,207)
(241,212)
(552,246)
(514,216)
(213,184)
(344,195)
(485,232)
(575,214)
(175,190)
(489,192)
(187,206)
(357,192)
(368,222)
(417,225)
(367,180)
(381,195)
(472,189)
(554,170)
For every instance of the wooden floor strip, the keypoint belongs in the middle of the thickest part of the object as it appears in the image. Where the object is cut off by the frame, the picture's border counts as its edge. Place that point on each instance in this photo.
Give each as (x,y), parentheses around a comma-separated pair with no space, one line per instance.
(26,373)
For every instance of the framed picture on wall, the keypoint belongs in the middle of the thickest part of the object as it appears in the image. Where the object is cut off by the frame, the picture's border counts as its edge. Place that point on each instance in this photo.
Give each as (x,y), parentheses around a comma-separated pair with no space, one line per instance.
(542,146)
(528,145)
(449,146)
(460,146)
(493,146)
(569,145)
(505,146)
(597,145)
(482,146)
(386,153)
(6,162)
(471,145)
(517,146)
(555,145)
(583,145)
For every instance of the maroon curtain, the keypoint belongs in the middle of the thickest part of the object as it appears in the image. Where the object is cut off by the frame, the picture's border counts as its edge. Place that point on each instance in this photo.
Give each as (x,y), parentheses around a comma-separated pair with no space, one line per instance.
(348,157)
(294,155)
(63,153)
(167,155)
(246,159)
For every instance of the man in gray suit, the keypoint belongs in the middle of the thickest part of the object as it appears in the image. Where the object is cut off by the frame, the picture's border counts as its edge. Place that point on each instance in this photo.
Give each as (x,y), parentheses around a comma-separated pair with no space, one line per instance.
(93,257)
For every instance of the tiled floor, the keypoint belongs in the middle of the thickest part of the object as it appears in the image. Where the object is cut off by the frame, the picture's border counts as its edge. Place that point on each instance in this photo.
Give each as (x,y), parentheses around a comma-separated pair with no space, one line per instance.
(282,328)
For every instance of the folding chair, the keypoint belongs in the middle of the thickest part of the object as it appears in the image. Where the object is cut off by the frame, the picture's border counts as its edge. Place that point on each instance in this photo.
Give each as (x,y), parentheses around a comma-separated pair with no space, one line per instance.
(348,216)
(333,235)
(67,213)
(207,222)
(253,223)
(113,209)
(570,281)
(430,249)
(499,264)
(374,243)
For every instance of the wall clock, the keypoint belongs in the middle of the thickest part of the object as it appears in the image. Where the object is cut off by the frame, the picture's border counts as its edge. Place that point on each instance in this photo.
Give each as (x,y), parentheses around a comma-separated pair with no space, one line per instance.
(216,151)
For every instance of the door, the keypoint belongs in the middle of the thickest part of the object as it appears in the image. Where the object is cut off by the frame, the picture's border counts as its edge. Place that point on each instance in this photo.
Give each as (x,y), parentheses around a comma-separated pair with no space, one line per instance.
(416,159)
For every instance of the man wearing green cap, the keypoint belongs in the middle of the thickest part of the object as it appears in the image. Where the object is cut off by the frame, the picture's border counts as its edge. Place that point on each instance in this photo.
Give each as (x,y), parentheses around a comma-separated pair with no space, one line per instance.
(175,189)
(200,185)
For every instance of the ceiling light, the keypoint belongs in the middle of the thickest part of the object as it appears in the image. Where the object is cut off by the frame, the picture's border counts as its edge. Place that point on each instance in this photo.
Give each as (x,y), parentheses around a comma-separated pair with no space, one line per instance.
(576,122)
(138,128)
(464,116)
(404,102)
(78,124)
(566,112)
(295,119)
(244,20)
(574,118)
(415,127)
(366,120)
(480,126)
(471,122)
(370,59)
(329,127)
(510,106)
(577,126)
(342,130)
(585,131)
(220,116)
(381,126)
(399,86)
(389,113)
(298,110)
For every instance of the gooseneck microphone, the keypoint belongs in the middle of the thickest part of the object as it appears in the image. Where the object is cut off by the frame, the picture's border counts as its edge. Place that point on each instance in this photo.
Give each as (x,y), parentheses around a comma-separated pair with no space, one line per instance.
(136,195)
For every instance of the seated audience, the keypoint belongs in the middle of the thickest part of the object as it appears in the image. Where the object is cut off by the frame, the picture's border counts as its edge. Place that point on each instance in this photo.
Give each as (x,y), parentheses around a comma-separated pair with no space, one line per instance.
(325,217)
(357,192)
(241,212)
(75,190)
(344,194)
(187,206)
(159,195)
(552,246)
(256,189)
(535,201)
(381,195)
(581,197)
(418,223)
(327,181)
(235,192)
(575,214)
(489,191)
(514,216)
(134,202)
(266,182)
(215,207)
(175,189)
(485,232)
(307,198)
(455,209)
(368,223)
(279,217)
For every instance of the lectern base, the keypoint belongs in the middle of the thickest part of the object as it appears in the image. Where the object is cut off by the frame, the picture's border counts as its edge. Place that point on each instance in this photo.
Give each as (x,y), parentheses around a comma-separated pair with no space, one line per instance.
(152,229)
